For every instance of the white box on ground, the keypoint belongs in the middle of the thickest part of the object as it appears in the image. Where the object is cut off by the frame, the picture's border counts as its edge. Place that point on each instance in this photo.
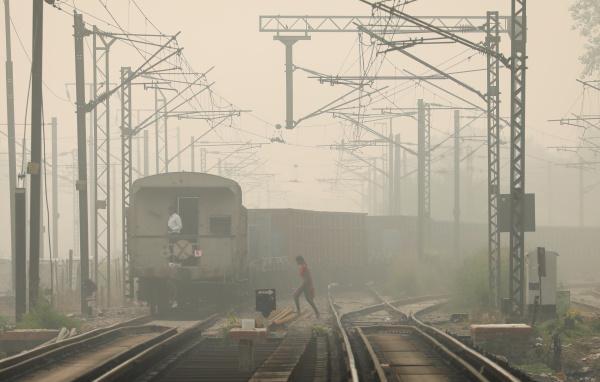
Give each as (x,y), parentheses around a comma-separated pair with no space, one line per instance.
(248,324)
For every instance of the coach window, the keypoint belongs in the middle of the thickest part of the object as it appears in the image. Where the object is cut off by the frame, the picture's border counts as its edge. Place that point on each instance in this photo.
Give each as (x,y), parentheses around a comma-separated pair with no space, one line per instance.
(220,225)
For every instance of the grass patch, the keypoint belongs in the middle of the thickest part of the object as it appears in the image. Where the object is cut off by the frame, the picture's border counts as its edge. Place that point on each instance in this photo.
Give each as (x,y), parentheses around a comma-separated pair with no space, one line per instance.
(537,368)
(231,322)
(45,317)
(4,323)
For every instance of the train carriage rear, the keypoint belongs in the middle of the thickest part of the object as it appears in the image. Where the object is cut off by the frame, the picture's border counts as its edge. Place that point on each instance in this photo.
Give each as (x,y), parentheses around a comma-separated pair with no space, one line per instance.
(207,259)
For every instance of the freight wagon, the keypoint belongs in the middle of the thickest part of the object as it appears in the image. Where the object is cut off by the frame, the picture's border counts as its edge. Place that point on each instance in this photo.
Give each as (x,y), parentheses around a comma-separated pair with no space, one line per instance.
(333,243)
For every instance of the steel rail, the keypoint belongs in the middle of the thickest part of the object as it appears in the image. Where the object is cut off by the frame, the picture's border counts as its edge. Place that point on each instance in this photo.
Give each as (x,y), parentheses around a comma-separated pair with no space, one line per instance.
(40,350)
(45,359)
(488,368)
(347,347)
(133,366)
(376,364)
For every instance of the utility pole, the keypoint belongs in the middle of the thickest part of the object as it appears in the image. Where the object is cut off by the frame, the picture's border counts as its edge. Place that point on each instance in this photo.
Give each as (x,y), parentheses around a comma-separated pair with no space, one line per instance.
(581,194)
(75,203)
(421,178)
(397,177)
(518,64)
(82,159)
(370,192)
(34,167)
(55,170)
(192,154)
(550,194)
(20,246)
(146,153)
(203,160)
(457,253)
(391,171)
(178,149)
(12,161)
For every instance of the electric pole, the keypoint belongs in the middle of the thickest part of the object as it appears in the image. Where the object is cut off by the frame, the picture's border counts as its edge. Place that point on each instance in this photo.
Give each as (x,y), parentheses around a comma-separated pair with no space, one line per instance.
(12,161)
(55,170)
(581,194)
(391,171)
(457,254)
(34,167)
(421,182)
(518,62)
(146,154)
(397,177)
(79,28)
(192,155)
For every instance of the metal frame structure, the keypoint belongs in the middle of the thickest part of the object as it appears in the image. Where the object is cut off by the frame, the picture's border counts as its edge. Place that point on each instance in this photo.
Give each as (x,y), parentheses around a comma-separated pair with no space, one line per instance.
(126,177)
(518,34)
(378,24)
(427,162)
(493,142)
(102,162)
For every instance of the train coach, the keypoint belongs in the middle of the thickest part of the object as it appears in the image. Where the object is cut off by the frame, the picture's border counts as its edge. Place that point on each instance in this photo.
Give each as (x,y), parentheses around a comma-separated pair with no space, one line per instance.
(207,259)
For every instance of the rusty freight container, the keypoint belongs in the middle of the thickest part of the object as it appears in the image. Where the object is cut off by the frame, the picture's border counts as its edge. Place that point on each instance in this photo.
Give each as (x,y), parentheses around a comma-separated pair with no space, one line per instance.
(333,243)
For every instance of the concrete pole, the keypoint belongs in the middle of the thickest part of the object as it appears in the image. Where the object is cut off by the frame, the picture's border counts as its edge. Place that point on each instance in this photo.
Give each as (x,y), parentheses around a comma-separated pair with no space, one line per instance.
(146,153)
(12,156)
(192,155)
(581,195)
(178,149)
(390,159)
(421,180)
(34,168)
(55,170)
(456,184)
(397,177)
(550,194)
(82,159)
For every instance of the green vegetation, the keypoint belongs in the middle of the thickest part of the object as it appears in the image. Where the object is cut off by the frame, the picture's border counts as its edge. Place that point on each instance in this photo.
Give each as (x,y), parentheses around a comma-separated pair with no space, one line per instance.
(466,280)
(4,323)
(320,330)
(586,14)
(46,317)
(231,322)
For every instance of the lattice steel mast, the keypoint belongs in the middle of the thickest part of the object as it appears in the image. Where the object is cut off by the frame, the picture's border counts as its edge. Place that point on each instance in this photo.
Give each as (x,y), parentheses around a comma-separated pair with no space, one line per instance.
(518,33)
(493,143)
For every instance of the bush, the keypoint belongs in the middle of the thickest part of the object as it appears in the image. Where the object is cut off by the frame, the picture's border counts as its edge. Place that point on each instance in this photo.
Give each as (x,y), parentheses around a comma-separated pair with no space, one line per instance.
(45,317)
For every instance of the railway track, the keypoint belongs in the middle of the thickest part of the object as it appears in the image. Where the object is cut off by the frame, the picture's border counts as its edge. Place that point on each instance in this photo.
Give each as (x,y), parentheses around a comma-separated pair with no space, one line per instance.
(191,356)
(397,346)
(93,355)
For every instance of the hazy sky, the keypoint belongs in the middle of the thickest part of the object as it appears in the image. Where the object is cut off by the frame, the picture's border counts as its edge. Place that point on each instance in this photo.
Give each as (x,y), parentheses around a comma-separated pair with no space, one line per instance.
(249,72)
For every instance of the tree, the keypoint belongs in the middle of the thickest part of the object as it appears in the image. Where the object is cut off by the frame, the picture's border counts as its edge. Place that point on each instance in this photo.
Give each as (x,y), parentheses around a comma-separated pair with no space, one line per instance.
(586,14)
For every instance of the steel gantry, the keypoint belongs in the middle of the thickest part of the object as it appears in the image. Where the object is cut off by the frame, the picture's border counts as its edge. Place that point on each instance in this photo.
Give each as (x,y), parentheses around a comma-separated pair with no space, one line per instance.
(378,24)
(518,35)
(290,29)
(101,193)
(492,41)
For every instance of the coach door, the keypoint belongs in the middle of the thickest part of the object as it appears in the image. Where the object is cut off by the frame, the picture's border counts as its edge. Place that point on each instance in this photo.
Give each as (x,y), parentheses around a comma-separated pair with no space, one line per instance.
(188,210)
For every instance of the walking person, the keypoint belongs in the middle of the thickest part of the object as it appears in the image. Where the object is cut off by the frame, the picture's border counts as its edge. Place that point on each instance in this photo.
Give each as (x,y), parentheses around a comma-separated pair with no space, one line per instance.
(307,286)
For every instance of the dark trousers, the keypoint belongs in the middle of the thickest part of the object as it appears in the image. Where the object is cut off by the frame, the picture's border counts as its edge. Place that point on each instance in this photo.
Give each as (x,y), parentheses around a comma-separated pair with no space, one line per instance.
(308,295)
